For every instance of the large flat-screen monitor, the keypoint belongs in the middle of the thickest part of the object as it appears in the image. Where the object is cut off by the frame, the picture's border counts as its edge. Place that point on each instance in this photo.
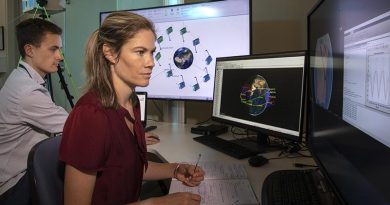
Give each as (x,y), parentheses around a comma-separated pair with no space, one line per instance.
(349,103)
(189,39)
(264,93)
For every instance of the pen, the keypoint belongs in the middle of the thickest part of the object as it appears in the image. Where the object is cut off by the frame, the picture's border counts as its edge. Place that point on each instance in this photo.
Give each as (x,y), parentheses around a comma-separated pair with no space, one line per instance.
(197,162)
(154,137)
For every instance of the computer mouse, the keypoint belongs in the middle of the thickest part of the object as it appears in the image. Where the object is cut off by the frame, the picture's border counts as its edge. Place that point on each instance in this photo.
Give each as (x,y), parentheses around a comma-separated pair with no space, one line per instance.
(257,161)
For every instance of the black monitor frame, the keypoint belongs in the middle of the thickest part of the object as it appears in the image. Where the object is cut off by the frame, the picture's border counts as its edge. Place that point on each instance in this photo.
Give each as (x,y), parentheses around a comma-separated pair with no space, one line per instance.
(263,134)
(355,165)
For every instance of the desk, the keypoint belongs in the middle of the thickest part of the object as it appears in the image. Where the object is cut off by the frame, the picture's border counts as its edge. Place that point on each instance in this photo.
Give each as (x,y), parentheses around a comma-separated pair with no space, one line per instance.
(176,145)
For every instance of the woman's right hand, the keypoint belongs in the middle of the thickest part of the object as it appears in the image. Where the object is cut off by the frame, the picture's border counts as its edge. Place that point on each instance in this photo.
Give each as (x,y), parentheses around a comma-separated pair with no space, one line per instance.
(179,198)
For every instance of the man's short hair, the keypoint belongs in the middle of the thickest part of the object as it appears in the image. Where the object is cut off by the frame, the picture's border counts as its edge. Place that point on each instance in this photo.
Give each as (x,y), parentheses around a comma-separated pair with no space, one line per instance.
(31,31)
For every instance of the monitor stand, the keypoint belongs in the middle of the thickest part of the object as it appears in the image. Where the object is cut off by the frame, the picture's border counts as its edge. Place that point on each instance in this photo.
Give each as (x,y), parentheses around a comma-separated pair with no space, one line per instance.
(174,112)
(258,144)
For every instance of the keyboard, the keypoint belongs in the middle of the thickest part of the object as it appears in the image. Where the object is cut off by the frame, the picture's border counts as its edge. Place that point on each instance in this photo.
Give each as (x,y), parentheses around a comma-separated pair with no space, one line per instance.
(290,187)
(230,148)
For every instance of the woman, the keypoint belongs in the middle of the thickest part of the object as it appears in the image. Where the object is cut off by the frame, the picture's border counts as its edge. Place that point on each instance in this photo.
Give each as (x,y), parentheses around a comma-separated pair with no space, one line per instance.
(103,142)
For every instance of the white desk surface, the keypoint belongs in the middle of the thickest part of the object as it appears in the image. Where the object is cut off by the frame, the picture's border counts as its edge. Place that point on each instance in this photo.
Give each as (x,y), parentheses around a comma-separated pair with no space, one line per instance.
(176,145)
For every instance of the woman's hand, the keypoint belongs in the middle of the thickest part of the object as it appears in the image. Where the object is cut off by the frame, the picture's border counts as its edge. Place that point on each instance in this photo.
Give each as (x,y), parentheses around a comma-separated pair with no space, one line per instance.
(187,174)
(151,138)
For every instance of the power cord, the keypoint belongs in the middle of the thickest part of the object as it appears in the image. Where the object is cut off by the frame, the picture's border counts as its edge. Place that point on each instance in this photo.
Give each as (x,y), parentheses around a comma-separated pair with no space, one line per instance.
(303,165)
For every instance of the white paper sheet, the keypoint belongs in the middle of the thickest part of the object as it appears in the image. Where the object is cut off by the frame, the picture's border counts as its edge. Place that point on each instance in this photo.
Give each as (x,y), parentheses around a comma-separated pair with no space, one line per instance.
(225,183)
(220,191)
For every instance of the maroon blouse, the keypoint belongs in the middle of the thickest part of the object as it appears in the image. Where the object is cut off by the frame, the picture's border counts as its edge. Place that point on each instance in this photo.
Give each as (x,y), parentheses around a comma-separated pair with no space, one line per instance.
(97,139)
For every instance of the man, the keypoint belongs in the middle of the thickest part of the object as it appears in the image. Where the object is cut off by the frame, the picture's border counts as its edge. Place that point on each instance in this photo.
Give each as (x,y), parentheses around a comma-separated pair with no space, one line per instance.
(27,113)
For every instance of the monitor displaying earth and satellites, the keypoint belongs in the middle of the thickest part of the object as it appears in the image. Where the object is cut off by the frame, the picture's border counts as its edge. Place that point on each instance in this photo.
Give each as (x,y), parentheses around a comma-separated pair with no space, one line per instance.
(189,39)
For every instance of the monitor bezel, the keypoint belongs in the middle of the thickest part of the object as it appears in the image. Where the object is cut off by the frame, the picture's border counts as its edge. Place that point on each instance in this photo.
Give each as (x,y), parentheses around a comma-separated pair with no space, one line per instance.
(311,144)
(272,133)
(340,142)
(180,5)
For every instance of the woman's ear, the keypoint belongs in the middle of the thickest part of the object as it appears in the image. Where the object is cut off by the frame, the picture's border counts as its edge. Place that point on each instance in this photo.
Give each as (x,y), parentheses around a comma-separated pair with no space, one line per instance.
(109,54)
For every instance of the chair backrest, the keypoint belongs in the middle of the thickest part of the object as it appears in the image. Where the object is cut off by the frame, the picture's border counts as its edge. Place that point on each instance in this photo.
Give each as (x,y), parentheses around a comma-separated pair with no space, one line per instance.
(155,188)
(46,172)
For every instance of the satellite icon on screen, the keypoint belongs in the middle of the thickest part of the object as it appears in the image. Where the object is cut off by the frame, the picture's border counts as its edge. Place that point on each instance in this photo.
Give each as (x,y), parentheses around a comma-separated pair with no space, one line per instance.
(159,40)
(158,56)
(169,72)
(169,31)
(196,86)
(209,58)
(182,32)
(182,84)
(196,42)
(207,76)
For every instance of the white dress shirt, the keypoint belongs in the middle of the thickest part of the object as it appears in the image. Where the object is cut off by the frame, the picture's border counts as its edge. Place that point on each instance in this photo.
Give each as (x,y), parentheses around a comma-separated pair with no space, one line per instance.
(27,116)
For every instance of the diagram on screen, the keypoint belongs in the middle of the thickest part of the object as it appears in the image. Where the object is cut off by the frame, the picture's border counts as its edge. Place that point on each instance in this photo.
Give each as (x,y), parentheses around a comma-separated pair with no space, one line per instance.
(378,80)
(323,72)
(257,95)
(181,58)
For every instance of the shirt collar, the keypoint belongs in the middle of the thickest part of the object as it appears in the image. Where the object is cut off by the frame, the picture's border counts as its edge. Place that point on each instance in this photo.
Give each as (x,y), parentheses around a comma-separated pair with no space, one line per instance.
(34,74)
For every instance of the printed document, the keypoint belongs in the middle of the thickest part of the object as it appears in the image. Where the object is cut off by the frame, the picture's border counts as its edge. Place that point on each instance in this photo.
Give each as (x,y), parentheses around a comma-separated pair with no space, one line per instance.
(225,183)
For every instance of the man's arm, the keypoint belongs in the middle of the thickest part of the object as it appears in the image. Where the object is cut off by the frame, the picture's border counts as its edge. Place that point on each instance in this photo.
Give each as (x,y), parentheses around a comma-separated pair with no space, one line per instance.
(39,110)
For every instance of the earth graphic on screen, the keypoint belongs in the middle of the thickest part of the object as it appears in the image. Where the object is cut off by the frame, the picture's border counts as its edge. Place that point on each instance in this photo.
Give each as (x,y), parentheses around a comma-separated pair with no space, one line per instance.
(183,58)
(256,95)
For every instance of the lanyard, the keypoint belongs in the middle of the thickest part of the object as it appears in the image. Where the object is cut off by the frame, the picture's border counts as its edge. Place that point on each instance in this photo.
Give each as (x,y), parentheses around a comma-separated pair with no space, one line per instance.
(22,66)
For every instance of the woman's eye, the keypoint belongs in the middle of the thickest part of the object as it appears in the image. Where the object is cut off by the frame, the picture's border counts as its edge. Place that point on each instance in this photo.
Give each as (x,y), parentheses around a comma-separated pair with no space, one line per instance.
(140,53)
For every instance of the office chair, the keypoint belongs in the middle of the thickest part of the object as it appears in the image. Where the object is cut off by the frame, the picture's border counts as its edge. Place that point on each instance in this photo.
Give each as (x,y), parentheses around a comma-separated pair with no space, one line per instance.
(46,172)
(155,188)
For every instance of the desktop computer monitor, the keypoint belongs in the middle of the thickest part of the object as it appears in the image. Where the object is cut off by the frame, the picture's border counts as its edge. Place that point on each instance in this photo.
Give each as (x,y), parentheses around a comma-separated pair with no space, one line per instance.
(349,97)
(264,93)
(142,97)
(189,39)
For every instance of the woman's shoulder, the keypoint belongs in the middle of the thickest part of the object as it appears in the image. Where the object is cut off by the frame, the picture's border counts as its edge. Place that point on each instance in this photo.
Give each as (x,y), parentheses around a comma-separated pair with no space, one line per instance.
(88,105)
(88,98)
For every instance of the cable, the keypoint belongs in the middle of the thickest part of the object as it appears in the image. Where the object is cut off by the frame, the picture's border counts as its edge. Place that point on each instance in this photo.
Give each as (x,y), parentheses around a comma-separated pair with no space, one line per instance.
(69,74)
(200,123)
(304,165)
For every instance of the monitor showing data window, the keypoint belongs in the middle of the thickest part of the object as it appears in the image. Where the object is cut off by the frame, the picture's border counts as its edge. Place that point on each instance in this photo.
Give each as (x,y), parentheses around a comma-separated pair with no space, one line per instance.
(349,98)
(189,39)
(264,93)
